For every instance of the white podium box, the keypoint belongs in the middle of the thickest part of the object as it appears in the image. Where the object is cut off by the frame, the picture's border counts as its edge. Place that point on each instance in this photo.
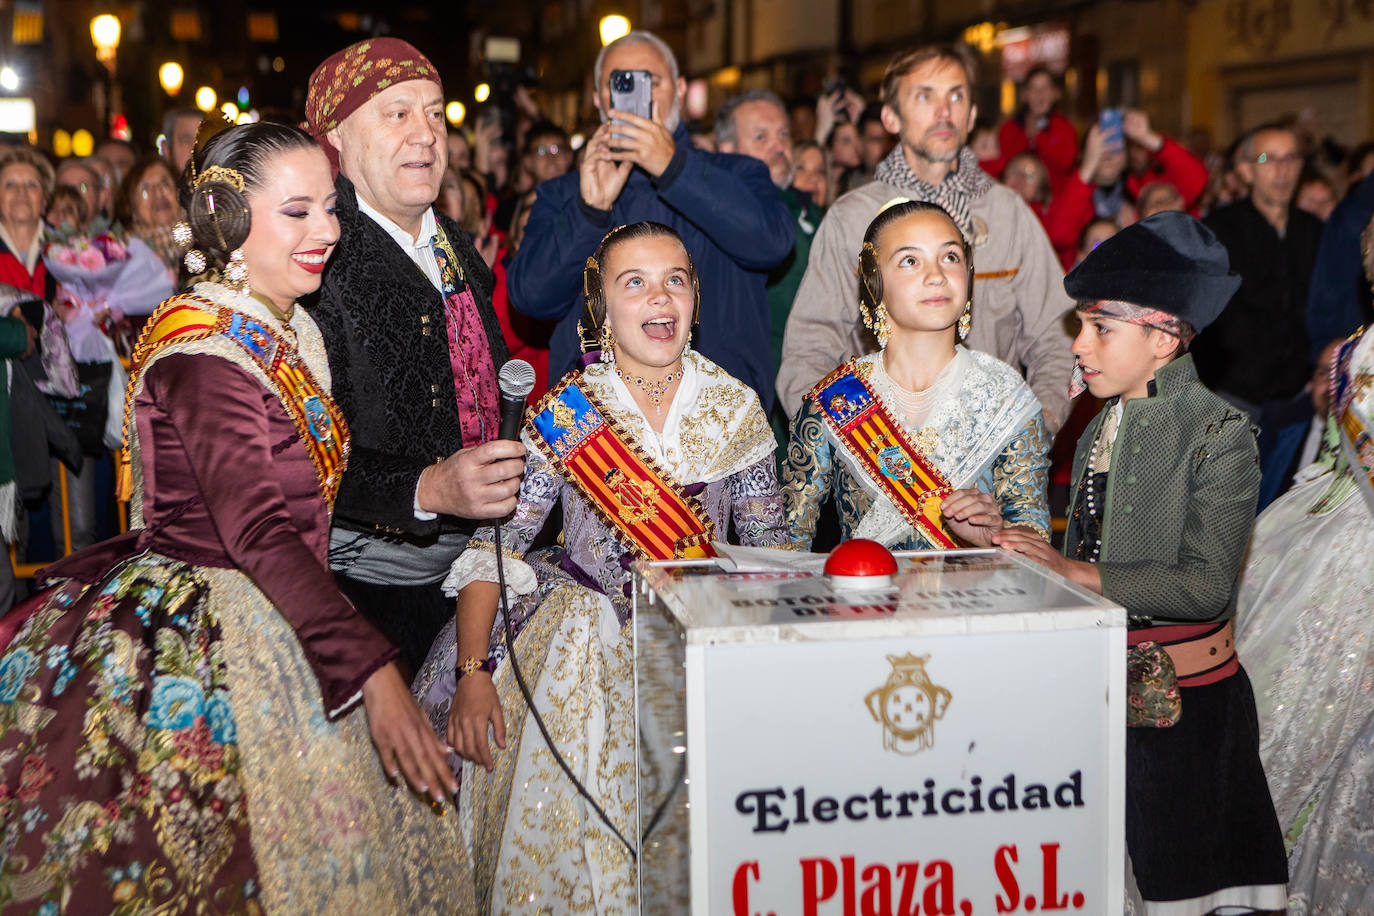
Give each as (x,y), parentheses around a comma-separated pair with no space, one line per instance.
(951,745)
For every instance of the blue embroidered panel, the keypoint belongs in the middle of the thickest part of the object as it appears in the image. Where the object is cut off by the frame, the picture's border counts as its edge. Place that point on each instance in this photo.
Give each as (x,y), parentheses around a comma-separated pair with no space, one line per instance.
(254,337)
(579,420)
(317,419)
(845,398)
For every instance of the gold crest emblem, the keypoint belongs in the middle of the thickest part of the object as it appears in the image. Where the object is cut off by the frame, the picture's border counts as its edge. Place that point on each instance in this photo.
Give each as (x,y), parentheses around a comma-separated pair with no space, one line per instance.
(908,705)
(563,416)
(638,499)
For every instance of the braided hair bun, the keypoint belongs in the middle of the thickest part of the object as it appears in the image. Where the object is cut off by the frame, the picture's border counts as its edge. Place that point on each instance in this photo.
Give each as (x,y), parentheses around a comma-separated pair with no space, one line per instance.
(220,219)
(225,168)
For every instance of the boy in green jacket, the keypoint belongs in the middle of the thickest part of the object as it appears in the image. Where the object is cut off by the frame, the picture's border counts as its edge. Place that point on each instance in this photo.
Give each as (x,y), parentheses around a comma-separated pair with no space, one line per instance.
(1166,481)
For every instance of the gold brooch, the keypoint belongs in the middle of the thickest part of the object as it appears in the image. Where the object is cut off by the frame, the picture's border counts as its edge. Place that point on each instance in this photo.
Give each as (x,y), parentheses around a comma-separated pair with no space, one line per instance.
(563,416)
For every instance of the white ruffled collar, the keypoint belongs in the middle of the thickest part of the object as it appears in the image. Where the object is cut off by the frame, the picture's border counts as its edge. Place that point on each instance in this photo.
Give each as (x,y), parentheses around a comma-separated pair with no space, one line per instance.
(713,427)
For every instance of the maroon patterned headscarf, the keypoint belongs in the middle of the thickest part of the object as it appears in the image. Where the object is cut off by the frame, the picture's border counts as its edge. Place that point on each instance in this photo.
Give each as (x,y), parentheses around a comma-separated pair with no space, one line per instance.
(347,80)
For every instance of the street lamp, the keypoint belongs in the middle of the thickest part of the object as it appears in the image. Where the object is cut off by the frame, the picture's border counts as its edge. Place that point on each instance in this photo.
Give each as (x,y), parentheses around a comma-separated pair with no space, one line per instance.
(206,98)
(105,37)
(170,76)
(613,27)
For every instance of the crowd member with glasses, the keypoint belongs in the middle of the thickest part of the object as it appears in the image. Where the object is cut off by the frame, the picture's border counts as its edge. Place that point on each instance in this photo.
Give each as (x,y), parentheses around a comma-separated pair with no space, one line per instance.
(726,209)
(1257,354)
(110,177)
(83,176)
(548,152)
(146,205)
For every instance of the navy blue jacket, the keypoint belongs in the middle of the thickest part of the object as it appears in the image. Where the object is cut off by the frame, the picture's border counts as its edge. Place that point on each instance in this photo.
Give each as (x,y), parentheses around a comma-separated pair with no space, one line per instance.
(1338,301)
(732,220)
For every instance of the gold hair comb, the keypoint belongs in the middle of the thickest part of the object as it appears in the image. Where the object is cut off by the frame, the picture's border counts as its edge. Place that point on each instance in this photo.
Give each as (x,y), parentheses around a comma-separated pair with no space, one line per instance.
(219,173)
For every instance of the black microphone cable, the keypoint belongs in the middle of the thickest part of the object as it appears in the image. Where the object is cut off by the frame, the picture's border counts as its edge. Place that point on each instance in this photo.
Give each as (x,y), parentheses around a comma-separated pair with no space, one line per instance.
(516,380)
(538,719)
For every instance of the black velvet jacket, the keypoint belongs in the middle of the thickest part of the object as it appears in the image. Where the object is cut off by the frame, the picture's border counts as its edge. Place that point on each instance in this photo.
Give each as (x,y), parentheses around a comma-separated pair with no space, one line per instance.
(383,324)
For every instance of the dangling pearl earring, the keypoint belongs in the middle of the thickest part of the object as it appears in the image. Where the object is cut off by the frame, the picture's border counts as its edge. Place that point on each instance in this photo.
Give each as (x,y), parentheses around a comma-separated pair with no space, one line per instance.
(881,329)
(236,271)
(194,261)
(607,344)
(966,320)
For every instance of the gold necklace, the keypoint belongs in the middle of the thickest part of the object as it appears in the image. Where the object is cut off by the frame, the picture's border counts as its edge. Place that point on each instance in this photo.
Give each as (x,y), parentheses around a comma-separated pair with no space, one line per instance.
(655,389)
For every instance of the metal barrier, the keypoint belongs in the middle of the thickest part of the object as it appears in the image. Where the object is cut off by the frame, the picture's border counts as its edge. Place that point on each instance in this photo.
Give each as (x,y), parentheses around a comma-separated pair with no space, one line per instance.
(29,570)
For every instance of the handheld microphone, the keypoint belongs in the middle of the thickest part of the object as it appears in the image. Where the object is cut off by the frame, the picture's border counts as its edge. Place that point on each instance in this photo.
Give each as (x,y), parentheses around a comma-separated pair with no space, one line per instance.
(516,380)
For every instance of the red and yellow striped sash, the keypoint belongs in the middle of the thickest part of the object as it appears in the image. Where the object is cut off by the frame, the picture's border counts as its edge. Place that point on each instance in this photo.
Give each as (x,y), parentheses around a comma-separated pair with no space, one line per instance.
(867,429)
(628,492)
(318,420)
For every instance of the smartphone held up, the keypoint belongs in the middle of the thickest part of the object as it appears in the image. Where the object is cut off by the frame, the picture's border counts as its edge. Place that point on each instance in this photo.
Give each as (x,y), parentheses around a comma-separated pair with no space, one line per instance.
(632,91)
(1113,135)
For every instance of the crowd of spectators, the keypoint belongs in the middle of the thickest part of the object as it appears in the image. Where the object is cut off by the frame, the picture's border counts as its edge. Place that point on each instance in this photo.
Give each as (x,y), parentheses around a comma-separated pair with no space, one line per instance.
(771,197)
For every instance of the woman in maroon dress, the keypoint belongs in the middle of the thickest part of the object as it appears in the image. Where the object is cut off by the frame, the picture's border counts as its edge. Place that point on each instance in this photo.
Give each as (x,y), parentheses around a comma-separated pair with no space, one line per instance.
(180,718)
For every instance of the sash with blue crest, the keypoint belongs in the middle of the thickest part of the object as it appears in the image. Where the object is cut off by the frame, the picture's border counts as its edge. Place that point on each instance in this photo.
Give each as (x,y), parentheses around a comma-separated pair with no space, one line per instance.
(319,422)
(629,493)
(884,452)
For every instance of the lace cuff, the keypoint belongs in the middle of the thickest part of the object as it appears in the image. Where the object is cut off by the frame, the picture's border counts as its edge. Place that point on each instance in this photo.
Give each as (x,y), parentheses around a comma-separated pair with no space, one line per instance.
(478,564)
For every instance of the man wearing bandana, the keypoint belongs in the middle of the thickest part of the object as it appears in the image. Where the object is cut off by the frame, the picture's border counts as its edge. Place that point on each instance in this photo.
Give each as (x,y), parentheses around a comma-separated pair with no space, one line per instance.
(405,310)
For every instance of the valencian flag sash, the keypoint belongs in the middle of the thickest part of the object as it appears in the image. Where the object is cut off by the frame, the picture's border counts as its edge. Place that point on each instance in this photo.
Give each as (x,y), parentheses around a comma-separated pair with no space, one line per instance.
(629,493)
(319,422)
(867,429)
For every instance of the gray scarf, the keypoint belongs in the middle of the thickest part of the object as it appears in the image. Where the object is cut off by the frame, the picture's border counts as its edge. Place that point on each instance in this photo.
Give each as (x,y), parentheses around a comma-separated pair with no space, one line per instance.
(955,193)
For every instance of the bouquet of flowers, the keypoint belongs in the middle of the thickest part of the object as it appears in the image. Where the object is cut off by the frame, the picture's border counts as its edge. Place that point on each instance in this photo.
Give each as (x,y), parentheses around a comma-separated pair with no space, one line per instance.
(103,277)
(89,254)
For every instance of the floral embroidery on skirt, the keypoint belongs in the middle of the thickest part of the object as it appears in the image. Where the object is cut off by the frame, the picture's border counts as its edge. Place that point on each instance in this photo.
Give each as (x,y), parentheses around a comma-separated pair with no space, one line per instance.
(130,795)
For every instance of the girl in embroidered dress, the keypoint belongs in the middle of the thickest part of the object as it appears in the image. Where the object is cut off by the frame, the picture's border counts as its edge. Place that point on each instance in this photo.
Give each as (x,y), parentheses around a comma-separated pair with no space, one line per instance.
(925,443)
(1304,626)
(187,715)
(687,444)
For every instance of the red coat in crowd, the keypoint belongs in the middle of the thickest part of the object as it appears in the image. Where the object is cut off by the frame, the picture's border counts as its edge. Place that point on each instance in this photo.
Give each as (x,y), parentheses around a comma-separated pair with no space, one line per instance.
(1177,166)
(527,338)
(14,273)
(1066,216)
(1056,145)
(1071,207)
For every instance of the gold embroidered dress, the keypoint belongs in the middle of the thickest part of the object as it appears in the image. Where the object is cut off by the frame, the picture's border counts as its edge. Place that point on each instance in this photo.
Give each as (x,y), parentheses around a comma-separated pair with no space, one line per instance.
(180,725)
(1307,637)
(537,847)
(980,425)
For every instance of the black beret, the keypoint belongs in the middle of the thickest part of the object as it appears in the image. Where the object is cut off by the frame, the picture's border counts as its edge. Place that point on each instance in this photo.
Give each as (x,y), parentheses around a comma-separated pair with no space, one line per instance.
(1168,261)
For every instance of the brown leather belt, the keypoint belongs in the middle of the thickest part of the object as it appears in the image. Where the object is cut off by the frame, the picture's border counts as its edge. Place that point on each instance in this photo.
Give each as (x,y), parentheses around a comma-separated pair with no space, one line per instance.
(1205,653)
(1195,656)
